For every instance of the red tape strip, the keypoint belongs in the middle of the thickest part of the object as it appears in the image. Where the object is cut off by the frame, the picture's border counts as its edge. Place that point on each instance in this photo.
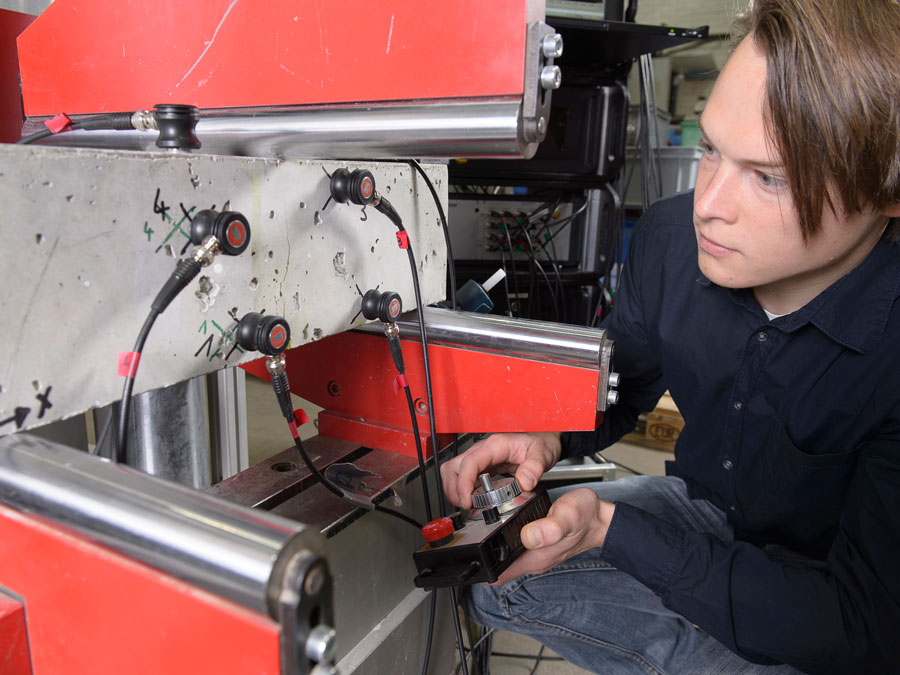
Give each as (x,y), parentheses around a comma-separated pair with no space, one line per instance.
(293,427)
(128,363)
(58,123)
(403,239)
(399,383)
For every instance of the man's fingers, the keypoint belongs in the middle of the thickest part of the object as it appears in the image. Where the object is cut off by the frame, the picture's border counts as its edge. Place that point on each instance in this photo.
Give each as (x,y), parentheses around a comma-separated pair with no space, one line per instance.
(461,474)
(538,457)
(529,472)
(528,454)
(566,517)
(541,533)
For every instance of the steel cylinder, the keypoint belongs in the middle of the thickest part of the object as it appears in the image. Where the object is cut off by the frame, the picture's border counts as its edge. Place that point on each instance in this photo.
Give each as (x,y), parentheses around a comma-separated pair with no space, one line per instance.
(232,551)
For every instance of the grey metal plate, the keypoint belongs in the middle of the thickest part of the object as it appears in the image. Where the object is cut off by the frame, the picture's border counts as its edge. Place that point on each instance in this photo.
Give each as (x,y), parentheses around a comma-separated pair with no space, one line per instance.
(90,236)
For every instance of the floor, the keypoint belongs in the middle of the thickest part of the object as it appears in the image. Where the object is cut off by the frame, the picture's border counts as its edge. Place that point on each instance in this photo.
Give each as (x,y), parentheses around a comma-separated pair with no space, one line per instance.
(269,435)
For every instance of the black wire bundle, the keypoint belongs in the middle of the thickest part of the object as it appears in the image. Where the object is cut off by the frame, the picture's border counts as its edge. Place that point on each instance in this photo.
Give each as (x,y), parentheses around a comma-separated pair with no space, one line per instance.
(183,274)
(125,404)
(533,245)
(451,262)
(112,121)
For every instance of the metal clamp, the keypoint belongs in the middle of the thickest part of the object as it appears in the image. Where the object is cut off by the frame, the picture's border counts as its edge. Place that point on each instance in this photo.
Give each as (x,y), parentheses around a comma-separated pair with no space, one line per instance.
(542,45)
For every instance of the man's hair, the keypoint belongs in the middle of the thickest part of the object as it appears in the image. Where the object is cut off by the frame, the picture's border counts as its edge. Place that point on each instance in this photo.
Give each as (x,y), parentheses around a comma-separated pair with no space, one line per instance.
(832,100)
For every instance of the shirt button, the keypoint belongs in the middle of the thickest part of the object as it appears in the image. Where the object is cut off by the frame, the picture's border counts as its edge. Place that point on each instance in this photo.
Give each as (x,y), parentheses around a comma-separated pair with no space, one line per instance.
(728,465)
(732,507)
(738,405)
(762,336)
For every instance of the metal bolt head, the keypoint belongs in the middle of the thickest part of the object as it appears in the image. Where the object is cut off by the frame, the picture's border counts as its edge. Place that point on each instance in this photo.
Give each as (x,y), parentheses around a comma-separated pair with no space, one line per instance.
(314,581)
(542,126)
(334,389)
(552,46)
(612,397)
(551,77)
(613,379)
(321,645)
(421,406)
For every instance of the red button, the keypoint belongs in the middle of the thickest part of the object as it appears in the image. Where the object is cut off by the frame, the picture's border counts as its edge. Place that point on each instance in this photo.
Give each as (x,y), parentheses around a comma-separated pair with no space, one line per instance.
(437,530)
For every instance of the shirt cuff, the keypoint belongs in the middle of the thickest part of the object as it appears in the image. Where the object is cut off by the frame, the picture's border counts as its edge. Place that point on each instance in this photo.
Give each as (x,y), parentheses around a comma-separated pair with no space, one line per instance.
(577,443)
(644,546)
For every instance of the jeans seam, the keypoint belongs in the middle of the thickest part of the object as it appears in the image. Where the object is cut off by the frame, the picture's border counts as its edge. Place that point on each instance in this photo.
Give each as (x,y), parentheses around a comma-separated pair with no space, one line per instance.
(638,659)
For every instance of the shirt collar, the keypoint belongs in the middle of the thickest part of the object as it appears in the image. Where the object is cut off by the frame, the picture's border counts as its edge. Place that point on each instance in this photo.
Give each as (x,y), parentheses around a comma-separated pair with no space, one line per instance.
(853,311)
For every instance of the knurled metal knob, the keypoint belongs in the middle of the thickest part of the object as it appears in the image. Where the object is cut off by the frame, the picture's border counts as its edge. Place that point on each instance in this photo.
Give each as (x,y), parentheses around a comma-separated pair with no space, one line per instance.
(495,493)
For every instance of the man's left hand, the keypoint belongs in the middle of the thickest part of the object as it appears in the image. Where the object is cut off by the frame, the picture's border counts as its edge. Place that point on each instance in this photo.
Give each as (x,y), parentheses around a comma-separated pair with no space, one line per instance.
(576,522)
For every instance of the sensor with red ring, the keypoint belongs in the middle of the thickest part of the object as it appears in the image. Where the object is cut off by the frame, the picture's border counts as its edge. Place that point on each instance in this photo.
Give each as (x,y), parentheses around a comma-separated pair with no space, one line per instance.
(212,232)
(357,186)
(260,333)
(230,229)
(269,335)
(385,306)
(236,233)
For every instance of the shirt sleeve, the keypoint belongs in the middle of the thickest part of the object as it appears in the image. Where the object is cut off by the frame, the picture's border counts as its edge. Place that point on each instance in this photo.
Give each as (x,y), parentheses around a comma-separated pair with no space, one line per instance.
(841,615)
(635,360)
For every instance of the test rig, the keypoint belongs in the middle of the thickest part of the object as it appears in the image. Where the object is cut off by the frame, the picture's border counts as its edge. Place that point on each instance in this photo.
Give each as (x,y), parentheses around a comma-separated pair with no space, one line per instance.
(255,208)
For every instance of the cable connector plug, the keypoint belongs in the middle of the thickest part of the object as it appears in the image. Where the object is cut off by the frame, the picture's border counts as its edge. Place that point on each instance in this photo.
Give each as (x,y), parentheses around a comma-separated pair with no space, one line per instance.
(275,365)
(184,273)
(392,331)
(382,205)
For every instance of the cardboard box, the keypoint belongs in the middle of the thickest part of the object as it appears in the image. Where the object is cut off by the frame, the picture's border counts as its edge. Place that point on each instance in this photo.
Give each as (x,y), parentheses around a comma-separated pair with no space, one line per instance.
(659,428)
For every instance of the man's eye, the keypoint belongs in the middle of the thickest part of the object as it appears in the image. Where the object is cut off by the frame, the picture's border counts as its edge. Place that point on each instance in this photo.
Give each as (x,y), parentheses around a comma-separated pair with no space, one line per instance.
(705,146)
(770,181)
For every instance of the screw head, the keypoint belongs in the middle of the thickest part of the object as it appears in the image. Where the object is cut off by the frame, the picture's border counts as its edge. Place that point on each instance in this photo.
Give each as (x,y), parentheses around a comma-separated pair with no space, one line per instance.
(552,46)
(551,77)
(334,389)
(421,407)
(321,645)
(314,580)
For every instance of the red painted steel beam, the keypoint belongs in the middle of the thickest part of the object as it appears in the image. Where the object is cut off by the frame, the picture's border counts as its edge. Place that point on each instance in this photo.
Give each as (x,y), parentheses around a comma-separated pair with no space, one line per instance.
(11,114)
(352,375)
(90,610)
(85,56)
(14,657)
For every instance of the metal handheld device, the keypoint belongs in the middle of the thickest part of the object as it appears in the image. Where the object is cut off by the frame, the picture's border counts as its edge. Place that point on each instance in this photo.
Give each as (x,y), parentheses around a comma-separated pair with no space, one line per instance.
(478,546)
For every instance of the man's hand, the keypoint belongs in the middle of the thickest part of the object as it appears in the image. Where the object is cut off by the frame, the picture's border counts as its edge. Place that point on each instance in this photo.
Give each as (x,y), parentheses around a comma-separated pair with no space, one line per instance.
(529,455)
(576,522)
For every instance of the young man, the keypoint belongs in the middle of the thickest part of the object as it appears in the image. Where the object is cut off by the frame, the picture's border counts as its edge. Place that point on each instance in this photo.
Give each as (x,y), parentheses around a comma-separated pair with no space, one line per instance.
(768,302)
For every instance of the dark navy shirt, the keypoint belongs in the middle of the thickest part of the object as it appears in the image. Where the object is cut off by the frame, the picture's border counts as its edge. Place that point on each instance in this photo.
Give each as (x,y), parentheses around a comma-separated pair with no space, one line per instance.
(792,428)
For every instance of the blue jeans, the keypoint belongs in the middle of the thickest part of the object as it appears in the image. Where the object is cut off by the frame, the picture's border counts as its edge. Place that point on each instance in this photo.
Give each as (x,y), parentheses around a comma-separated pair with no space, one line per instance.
(604,620)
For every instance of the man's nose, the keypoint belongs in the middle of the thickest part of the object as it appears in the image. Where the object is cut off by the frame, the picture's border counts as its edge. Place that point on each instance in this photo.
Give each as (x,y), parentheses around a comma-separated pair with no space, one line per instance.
(716,193)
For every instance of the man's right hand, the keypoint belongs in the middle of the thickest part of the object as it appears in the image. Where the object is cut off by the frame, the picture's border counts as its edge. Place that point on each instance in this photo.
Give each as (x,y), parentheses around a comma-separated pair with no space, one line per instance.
(529,455)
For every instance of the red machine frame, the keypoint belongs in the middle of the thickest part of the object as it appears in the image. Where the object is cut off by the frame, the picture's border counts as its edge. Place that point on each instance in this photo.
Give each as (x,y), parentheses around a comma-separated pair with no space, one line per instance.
(352,376)
(117,615)
(303,52)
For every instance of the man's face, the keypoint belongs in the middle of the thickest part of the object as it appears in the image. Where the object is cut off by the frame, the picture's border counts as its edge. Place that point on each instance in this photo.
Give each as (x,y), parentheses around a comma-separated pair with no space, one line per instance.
(748,232)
